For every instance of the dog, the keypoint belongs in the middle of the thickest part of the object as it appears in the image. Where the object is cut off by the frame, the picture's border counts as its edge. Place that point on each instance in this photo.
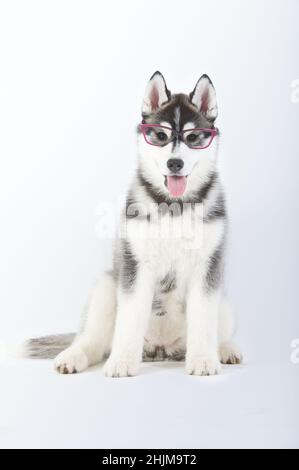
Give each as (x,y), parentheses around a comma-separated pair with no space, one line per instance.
(164,298)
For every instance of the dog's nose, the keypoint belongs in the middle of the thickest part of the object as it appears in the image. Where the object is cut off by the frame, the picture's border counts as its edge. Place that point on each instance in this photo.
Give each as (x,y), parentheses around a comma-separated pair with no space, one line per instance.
(175,164)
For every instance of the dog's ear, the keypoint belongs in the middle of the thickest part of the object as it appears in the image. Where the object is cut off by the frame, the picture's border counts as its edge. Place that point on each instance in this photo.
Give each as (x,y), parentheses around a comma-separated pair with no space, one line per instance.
(204,98)
(156,94)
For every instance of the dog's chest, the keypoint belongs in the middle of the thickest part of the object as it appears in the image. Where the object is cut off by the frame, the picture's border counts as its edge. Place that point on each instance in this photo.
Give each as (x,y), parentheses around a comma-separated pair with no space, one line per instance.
(177,249)
(167,256)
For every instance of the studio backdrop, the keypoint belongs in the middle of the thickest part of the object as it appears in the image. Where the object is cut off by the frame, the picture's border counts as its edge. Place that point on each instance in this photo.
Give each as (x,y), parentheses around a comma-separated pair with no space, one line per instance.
(72,79)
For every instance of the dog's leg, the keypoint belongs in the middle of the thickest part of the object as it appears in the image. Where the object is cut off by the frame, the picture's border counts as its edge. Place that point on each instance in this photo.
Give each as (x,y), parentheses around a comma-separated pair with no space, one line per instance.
(134,308)
(94,341)
(202,330)
(229,352)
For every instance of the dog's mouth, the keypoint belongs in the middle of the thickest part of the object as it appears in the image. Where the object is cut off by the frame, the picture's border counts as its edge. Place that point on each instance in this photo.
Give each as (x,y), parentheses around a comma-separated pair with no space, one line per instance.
(176,185)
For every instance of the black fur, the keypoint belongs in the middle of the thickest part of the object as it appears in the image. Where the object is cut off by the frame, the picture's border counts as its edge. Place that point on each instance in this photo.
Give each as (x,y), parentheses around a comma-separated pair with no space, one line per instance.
(188,113)
(161,313)
(218,210)
(134,210)
(215,269)
(159,198)
(168,283)
(159,354)
(128,266)
(204,190)
(154,193)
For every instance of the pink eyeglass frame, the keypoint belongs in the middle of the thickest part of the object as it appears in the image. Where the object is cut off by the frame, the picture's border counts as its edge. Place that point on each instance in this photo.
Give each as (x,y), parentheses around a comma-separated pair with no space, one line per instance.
(213,131)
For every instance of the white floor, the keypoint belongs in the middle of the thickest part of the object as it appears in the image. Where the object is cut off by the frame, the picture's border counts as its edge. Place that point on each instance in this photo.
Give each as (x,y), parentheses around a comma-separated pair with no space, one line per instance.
(252,405)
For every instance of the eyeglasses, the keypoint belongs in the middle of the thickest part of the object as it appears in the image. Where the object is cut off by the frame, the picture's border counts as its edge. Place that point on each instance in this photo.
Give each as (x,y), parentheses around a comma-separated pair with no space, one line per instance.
(197,138)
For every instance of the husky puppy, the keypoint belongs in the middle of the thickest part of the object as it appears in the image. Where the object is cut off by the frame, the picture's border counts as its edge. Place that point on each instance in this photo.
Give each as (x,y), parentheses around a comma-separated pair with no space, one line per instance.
(164,297)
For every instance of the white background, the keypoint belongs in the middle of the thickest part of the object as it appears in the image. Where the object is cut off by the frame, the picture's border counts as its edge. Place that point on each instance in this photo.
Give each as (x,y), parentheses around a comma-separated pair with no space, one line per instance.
(72,76)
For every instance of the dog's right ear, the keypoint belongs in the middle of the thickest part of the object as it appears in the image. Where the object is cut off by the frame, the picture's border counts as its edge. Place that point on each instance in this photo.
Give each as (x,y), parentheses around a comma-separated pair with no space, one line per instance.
(156,94)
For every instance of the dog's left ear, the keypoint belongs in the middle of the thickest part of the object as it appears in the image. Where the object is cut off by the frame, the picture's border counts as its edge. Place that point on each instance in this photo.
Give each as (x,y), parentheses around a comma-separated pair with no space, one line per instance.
(156,94)
(204,98)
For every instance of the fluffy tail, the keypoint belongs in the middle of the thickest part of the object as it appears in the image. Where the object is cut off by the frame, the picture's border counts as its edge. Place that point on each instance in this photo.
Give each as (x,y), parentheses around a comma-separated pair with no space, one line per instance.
(47,347)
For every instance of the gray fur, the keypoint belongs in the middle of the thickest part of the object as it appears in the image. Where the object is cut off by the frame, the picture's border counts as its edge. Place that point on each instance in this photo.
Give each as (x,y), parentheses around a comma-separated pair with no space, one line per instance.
(134,209)
(168,283)
(161,313)
(128,267)
(175,204)
(47,347)
(218,210)
(157,304)
(159,354)
(158,307)
(168,112)
(215,269)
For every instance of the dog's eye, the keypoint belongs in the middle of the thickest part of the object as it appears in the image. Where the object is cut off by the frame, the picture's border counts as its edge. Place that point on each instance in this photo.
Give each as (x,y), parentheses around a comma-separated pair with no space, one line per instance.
(191,137)
(206,134)
(162,136)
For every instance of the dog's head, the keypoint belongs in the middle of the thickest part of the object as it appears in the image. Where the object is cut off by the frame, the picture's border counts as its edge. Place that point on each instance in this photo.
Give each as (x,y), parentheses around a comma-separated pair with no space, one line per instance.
(177,139)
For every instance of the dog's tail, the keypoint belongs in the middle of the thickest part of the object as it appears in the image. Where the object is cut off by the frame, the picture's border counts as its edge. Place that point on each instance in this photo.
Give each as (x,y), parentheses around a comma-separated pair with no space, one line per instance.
(47,347)
(44,347)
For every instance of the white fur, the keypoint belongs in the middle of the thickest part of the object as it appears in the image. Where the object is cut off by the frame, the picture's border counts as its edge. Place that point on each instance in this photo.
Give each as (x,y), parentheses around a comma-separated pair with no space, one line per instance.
(197,163)
(94,341)
(207,331)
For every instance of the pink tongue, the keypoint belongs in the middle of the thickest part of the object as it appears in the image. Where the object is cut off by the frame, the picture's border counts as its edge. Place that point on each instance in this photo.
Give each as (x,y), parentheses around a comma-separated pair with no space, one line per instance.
(176,185)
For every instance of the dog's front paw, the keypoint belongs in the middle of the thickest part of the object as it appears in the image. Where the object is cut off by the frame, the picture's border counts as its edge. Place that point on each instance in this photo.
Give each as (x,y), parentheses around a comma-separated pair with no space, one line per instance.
(203,365)
(121,367)
(230,353)
(71,360)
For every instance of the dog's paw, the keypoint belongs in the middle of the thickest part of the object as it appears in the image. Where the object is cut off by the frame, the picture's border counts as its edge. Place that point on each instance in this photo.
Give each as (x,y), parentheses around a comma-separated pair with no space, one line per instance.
(230,353)
(203,365)
(71,360)
(121,367)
